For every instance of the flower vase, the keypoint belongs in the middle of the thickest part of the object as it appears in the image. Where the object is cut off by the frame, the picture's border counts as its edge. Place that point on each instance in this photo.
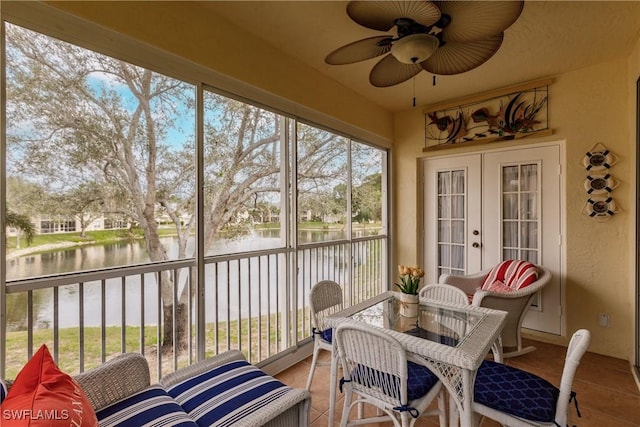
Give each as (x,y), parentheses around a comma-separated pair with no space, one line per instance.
(408,305)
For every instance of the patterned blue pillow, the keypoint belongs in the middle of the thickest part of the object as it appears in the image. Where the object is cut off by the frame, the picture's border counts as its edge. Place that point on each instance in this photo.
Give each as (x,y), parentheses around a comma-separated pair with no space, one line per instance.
(516,392)
(224,395)
(419,382)
(149,407)
(3,390)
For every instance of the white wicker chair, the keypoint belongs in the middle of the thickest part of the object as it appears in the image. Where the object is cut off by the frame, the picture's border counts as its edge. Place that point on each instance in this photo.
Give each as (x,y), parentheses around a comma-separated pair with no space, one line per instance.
(553,405)
(325,299)
(515,303)
(376,370)
(443,292)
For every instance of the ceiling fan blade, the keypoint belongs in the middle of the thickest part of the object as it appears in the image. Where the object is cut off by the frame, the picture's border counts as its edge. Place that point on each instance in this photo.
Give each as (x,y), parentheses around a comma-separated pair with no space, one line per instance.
(456,58)
(389,71)
(381,15)
(360,50)
(478,20)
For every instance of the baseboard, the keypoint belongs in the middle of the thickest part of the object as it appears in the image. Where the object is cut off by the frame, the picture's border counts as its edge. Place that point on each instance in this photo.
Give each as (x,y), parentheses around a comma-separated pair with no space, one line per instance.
(283,361)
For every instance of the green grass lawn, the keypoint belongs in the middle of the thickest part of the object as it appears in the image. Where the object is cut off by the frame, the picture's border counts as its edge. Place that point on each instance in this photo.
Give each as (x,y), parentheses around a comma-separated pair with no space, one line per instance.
(224,336)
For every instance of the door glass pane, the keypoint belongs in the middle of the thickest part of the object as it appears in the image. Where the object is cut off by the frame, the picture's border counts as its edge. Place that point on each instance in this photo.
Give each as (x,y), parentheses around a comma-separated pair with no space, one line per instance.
(443,207)
(529,178)
(458,182)
(529,235)
(528,206)
(457,207)
(451,222)
(509,178)
(510,206)
(444,183)
(457,231)
(510,234)
(520,217)
(444,231)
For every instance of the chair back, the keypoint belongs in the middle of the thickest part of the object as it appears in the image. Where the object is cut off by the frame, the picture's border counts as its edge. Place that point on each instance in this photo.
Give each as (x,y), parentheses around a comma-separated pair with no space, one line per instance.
(373,362)
(577,347)
(445,293)
(325,299)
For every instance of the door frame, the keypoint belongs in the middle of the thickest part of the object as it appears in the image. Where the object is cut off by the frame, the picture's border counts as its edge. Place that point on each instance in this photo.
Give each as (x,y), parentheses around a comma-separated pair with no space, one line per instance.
(561,144)
(637,246)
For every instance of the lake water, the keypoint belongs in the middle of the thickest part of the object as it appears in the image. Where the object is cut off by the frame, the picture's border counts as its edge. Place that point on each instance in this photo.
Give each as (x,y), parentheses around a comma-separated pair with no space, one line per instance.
(130,253)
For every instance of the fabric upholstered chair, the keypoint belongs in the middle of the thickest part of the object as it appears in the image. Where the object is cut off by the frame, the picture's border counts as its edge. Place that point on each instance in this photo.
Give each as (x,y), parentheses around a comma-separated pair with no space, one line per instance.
(376,370)
(518,398)
(325,299)
(510,286)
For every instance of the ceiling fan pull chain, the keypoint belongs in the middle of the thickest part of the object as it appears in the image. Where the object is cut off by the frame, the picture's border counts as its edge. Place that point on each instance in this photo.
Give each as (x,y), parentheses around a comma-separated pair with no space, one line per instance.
(414,91)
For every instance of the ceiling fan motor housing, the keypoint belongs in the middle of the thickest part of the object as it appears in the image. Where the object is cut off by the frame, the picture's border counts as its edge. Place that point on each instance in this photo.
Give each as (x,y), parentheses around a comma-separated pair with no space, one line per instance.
(414,48)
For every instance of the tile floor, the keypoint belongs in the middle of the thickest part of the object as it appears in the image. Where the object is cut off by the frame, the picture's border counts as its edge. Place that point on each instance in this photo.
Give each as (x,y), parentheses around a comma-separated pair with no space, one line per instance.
(607,393)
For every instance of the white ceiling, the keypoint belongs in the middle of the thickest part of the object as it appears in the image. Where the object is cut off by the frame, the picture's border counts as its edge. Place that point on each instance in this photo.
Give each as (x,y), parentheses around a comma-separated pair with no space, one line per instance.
(549,38)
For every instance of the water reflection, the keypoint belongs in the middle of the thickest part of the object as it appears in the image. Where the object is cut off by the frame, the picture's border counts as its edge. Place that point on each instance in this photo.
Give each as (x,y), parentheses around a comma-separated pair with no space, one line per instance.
(263,271)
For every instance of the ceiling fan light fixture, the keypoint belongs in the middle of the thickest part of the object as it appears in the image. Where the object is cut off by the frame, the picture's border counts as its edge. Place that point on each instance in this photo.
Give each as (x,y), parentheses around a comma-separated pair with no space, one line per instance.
(414,48)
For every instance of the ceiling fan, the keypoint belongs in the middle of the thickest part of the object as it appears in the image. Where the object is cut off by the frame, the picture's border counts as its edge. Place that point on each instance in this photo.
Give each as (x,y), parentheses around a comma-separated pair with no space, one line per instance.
(441,37)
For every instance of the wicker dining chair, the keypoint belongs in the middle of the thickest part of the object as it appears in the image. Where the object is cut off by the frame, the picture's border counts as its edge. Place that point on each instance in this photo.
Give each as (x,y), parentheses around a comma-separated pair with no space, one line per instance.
(325,299)
(446,293)
(518,398)
(376,370)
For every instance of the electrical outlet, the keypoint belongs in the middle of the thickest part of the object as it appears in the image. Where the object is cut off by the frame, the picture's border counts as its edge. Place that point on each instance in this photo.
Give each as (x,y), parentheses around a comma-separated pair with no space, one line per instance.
(603,320)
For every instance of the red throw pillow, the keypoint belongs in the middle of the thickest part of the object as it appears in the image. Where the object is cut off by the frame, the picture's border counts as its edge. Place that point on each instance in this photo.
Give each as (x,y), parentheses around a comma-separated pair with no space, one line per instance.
(44,396)
(516,274)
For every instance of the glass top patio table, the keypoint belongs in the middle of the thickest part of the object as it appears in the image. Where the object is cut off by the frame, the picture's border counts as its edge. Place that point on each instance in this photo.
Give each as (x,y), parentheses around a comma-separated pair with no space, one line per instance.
(452,340)
(437,322)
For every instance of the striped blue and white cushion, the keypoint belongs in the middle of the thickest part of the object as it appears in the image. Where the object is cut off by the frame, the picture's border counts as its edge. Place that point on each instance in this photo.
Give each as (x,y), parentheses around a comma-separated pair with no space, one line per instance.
(224,395)
(149,407)
(3,390)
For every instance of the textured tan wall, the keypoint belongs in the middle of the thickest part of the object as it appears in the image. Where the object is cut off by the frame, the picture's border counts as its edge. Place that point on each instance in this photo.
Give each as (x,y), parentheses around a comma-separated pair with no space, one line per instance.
(586,106)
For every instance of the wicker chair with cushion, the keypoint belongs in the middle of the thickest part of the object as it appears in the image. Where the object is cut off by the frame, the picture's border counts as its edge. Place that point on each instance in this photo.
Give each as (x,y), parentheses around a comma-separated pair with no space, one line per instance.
(325,299)
(376,370)
(510,286)
(518,398)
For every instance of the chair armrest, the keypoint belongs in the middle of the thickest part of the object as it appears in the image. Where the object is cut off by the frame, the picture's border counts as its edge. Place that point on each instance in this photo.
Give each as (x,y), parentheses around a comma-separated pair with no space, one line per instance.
(469,284)
(120,377)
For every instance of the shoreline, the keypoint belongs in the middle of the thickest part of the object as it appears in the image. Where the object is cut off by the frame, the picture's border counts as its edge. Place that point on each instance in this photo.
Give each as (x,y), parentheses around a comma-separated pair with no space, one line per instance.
(43,248)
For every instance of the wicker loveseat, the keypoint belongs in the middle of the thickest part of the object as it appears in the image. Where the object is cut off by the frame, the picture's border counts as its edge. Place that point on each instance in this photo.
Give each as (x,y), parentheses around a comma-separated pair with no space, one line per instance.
(223,390)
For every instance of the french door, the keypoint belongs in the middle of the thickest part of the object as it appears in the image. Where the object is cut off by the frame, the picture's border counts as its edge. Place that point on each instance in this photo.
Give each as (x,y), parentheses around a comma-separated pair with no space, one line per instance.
(482,208)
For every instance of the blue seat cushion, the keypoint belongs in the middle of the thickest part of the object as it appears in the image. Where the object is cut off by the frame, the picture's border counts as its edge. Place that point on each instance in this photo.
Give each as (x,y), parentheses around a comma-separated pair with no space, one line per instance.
(420,380)
(224,395)
(149,407)
(516,392)
(327,335)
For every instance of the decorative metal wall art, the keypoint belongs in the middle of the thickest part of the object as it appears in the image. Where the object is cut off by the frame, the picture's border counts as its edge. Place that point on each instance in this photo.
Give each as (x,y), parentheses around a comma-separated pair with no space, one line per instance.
(503,117)
(599,183)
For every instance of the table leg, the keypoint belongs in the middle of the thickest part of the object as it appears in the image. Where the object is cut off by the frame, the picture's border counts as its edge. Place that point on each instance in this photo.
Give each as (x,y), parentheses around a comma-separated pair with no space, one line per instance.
(466,417)
(332,386)
(496,349)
